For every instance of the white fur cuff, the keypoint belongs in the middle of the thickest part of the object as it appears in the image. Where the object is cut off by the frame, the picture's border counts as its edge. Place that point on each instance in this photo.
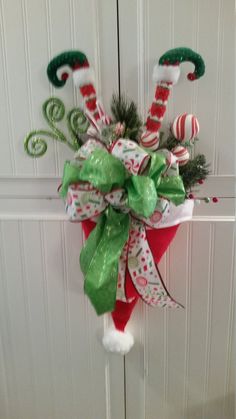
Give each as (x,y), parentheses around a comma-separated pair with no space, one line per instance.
(168,73)
(83,76)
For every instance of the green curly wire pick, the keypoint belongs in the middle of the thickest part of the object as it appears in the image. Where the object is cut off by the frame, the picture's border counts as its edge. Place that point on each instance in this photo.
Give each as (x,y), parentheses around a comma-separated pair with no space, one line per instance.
(53,110)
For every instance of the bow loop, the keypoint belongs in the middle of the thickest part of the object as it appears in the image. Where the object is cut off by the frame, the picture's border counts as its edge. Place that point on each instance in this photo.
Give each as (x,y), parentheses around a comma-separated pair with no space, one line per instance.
(158,166)
(103,171)
(142,195)
(172,188)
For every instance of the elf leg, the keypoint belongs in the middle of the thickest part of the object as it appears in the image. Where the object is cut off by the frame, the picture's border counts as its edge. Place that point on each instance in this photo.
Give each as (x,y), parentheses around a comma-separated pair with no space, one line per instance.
(83,77)
(165,74)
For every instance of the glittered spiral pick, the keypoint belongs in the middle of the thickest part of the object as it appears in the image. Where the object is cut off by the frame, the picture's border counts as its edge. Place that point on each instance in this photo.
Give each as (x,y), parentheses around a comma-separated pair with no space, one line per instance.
(77,124)
(54,112)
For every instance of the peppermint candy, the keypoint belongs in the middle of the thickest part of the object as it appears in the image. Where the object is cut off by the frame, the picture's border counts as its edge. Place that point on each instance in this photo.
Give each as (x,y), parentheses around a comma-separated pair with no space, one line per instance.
(134,158)
(150,140)
(181,154)
(185,127)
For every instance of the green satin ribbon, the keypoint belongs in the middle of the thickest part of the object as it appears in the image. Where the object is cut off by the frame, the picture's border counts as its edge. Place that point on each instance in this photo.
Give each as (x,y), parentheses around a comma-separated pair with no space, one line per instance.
(99,259)
(103,171)
(71,174)
(142,196)
(100,255)
(172,188)
(157,166)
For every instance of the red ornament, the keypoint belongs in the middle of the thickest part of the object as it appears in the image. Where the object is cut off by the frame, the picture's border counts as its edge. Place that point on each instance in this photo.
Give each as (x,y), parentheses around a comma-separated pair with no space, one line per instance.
(201,181)
(215,199)
(191,196)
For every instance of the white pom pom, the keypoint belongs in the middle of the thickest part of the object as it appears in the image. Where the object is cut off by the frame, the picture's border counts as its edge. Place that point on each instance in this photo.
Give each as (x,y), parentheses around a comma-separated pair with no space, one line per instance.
(118,342)
(168,73)
(83,76)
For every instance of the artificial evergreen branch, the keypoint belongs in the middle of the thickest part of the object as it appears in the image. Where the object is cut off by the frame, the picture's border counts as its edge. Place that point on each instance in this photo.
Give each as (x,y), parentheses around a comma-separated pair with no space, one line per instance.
(125,111)
(171,142)
(195,170)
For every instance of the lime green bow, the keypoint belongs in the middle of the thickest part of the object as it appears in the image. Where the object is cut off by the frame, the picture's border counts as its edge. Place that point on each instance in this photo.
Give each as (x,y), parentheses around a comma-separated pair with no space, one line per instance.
(100,255)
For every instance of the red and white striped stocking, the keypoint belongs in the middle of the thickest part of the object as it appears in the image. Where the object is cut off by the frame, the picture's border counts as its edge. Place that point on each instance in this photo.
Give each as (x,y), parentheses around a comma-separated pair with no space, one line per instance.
(165,76)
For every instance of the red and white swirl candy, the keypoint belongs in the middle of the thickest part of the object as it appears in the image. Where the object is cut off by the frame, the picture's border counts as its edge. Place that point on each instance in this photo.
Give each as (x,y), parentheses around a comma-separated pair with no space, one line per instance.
(181,154)
(185,127)
(150,140)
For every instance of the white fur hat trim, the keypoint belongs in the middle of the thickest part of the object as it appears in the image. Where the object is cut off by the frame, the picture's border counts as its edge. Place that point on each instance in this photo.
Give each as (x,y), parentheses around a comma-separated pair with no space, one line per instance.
(83,76)
(168,73)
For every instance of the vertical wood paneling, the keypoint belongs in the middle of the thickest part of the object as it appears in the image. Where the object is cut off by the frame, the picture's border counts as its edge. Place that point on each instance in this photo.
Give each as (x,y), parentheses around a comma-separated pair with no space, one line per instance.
(52,361)
(182,366)
(226,164)
(8,164)
(198,315)
(32,32)
(221,295)
(51,358)
(4,402)
(18,87)
(8,380)
(230,367)
(157,27)
(18,334)
(134,363)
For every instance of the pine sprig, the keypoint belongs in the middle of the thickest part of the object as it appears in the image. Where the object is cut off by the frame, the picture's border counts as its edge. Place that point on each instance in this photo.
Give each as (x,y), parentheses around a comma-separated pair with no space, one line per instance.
(171,142)
(125,111)
(195,170)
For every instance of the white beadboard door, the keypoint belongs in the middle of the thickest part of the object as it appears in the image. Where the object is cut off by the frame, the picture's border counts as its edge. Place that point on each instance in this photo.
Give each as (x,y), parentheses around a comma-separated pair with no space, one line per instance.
(52,363)
(182,364)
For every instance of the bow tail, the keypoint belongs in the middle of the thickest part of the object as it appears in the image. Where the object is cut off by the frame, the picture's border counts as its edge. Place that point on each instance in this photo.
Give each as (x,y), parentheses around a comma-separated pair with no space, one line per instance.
(121,293)
(99,259)
(143,271)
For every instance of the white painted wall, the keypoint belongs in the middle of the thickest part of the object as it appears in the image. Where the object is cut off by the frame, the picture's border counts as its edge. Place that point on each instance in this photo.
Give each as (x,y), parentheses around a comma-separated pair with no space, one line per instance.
(52,364)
